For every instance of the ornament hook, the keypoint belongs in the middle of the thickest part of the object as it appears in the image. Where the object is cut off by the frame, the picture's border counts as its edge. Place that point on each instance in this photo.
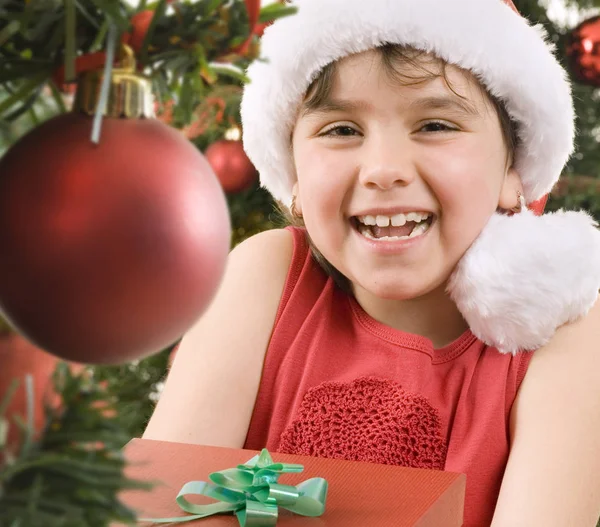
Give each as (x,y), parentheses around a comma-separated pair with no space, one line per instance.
(127,58)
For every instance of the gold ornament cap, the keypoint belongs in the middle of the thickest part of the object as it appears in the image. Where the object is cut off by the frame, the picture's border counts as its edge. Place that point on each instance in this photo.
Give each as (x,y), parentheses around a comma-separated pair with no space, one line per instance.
(130,94)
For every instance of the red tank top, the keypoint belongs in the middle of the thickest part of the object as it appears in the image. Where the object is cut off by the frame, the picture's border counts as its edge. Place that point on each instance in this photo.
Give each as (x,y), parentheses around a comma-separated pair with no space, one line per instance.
(336,383)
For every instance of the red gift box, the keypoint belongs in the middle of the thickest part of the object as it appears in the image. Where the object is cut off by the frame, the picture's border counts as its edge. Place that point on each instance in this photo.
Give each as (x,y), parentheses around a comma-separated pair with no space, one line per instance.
(360,494)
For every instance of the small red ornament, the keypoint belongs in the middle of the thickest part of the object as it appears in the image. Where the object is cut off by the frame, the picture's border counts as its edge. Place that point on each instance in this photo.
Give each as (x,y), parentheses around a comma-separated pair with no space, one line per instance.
(583,52)
(110,251)
(231,164)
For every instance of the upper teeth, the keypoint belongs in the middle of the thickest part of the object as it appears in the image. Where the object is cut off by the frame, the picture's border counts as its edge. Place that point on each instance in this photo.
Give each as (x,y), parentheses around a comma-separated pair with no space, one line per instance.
(396,221)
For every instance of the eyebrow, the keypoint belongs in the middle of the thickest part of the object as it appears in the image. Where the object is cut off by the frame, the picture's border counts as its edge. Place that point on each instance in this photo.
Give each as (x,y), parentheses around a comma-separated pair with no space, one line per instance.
(426,103)
(335,105)
(445,103)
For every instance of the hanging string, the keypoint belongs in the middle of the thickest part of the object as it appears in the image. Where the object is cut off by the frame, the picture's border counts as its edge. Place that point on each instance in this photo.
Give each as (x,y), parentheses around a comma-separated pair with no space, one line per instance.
(105,88)
(29,431)
(70,40)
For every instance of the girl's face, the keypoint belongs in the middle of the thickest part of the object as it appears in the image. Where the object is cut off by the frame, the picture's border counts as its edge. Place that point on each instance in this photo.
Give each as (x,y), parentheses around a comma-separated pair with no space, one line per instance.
(396,182)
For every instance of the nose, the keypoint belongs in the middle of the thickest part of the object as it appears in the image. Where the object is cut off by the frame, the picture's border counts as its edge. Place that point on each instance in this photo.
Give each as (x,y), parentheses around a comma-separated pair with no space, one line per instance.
(386,163)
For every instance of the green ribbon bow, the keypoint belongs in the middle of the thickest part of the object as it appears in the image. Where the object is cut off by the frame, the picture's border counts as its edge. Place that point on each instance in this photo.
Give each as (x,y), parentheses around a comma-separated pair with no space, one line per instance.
(251,492)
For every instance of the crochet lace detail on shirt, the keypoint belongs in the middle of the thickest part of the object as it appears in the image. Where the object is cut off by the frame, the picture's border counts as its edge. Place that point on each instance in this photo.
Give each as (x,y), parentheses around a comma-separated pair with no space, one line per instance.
(369,419)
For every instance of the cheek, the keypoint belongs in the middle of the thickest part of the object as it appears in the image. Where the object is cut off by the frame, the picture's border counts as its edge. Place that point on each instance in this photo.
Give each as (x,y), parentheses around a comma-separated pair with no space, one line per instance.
(322,182)
(470,174)
(467,186)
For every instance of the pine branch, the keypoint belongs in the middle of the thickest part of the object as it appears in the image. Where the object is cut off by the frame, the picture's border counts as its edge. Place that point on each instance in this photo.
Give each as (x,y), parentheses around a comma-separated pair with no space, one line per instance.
(133,390)
(72,475)
(181,50)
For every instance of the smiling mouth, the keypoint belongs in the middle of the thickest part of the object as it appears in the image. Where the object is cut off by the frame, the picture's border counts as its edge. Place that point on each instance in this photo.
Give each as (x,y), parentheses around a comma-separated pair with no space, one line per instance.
(393,228)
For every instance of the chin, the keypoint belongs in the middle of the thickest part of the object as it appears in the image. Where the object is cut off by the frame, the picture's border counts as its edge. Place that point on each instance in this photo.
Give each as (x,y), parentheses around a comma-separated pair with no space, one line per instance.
(392,288)
(395,290)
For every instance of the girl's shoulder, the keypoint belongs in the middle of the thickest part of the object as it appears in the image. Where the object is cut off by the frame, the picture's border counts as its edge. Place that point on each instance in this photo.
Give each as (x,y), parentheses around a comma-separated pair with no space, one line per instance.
(274,238)
(218,364)
(271,250)
(256,272)
(554,429)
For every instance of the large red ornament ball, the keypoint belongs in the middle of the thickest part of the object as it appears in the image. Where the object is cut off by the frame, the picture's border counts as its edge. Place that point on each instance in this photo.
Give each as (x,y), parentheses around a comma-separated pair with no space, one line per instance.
(583,52)
(110,252)
(231,164)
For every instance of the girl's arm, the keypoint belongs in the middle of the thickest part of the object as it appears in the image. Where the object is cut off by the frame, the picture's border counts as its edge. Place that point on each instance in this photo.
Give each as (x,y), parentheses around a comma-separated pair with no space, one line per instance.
(210,391)
(553,474)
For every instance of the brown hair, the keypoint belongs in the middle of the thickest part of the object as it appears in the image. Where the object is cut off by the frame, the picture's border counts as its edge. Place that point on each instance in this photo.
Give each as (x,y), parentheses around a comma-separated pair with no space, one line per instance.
(428,68)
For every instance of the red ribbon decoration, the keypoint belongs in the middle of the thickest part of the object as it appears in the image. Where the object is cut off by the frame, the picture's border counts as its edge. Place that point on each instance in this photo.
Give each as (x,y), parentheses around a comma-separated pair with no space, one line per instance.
(253,9)
(94,61)
(89,62)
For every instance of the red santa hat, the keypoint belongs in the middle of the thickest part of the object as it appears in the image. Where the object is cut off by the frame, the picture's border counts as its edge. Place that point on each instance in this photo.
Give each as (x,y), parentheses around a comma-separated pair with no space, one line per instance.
(513,60)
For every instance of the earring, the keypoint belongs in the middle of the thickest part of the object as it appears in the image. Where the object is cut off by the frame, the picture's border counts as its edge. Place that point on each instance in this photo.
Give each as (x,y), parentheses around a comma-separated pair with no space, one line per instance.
(521,205)
(294,210)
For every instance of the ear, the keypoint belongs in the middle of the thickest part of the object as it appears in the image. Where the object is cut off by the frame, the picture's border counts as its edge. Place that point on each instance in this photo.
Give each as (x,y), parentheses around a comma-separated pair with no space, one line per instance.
(511,186)
(296,202)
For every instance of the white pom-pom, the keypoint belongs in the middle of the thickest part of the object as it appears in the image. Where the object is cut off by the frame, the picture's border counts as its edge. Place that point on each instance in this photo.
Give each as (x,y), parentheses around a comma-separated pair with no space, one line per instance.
(527,275)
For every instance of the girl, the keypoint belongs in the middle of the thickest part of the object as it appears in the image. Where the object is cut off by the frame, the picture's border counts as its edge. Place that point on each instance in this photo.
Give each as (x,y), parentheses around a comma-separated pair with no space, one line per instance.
(420,315)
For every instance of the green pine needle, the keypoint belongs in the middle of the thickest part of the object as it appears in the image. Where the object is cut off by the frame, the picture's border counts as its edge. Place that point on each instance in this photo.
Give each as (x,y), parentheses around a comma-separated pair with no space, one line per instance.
(73,474)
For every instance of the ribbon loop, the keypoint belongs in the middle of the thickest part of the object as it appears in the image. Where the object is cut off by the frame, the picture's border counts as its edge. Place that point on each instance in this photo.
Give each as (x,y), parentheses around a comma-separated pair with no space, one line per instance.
(258,514)
(311,502)
(283,495)
(252,492)
(233,478)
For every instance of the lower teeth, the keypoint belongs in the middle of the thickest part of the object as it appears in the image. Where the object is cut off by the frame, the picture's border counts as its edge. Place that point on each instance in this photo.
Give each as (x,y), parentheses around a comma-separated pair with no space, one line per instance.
(417,230)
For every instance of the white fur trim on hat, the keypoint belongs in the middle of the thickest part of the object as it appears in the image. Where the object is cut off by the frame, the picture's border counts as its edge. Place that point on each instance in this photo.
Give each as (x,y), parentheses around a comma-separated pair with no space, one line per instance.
(525,276)
(512,59)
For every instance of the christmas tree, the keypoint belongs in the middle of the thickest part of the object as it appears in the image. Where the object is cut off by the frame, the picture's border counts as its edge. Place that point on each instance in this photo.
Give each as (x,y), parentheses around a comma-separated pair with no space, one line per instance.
(60,441)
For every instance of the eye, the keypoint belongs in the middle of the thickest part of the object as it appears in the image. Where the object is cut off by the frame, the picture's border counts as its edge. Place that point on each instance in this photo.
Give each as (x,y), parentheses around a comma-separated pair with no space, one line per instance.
(437,126)
(339,131)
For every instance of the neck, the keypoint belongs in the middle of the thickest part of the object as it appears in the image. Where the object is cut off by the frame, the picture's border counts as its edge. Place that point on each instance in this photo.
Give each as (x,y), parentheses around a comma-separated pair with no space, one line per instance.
(433,316)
